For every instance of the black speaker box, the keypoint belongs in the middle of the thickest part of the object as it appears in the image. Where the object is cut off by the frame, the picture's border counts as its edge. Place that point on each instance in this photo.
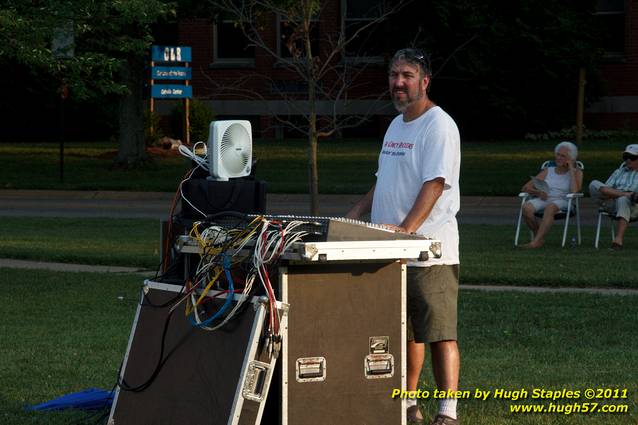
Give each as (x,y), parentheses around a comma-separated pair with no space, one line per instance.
(210,197)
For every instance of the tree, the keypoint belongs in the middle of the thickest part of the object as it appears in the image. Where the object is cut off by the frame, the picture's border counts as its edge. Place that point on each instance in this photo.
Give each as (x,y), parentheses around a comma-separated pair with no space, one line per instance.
(318,61)
(505,68)
(109,41)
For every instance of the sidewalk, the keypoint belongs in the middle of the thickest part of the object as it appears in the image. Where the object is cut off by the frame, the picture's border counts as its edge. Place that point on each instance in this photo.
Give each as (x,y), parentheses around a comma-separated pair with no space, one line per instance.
(41,203)
(69,267)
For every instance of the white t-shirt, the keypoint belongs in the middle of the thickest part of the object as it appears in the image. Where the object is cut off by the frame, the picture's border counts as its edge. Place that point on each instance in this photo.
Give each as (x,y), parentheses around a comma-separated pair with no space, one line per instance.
(413,153)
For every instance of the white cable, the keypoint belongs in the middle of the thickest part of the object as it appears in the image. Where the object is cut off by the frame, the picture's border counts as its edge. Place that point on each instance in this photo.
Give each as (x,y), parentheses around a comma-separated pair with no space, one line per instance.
(181,192)
(200,161)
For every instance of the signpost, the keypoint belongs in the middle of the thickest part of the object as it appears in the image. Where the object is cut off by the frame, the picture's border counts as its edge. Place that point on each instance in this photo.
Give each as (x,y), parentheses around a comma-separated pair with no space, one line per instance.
(169,56)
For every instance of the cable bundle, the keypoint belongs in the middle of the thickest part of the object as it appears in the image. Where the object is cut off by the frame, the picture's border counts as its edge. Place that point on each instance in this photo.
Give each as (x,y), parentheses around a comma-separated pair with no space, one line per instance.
(273,240)
(201,161)
(229,253)
(226,254)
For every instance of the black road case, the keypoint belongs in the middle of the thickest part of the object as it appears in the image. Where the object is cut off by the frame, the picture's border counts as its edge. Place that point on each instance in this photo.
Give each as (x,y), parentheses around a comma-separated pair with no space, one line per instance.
(217,377)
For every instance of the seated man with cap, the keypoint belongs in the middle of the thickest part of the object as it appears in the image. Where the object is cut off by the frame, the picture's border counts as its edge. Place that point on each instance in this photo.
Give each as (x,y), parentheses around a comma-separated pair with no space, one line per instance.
(619,193)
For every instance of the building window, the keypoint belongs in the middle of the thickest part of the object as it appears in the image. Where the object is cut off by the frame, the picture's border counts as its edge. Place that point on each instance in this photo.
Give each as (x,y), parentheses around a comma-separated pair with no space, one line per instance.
(610,15)
(230,45)
(369,44)
(290,44)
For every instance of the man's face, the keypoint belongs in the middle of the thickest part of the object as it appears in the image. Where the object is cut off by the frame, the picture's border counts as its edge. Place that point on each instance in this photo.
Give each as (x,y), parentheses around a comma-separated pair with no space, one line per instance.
(631,161)
(406,85)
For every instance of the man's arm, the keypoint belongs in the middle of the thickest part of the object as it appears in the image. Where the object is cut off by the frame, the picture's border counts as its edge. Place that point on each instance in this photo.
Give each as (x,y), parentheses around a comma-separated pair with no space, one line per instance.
(363,206)
(430,192)
(612,193)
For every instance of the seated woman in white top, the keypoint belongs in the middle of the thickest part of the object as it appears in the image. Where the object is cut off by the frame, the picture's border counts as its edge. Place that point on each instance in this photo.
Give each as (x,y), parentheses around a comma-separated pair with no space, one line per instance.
(563,178)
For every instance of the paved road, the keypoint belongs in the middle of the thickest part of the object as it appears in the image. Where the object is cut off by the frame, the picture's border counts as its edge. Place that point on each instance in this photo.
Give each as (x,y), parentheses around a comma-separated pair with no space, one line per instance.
(39,203)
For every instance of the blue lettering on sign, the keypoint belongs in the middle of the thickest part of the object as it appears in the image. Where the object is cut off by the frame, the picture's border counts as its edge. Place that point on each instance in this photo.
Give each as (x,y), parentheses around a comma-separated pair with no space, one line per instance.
(171,91)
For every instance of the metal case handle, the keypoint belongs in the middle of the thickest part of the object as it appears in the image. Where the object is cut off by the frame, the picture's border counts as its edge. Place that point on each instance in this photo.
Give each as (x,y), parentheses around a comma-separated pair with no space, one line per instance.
(378,366)
(257,376)
(311,369)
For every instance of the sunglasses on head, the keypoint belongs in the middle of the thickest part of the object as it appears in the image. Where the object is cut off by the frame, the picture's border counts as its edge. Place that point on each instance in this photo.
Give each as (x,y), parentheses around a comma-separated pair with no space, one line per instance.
(627,156)
(417,55)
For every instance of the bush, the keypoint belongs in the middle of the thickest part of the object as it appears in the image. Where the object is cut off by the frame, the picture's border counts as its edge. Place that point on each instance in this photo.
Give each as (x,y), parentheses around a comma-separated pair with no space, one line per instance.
(200,117)
(570,134)
(152,121)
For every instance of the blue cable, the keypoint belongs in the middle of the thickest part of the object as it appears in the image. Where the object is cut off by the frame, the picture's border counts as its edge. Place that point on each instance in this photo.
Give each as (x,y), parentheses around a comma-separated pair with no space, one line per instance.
(229,299)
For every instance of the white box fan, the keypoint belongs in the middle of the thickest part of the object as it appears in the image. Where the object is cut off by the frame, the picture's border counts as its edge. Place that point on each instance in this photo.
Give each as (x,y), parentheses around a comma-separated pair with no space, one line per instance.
(230,146)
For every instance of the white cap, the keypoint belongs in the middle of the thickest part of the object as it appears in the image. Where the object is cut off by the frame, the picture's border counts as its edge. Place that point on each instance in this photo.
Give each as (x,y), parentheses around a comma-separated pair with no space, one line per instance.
(632,149)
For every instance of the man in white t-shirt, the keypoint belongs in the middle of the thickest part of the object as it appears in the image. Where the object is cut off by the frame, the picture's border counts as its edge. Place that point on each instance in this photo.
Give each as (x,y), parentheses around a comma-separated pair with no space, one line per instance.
(417,190)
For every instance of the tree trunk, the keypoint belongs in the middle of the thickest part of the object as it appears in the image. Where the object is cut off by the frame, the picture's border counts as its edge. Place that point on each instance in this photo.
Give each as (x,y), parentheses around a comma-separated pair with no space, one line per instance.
(132,149)
(313,174)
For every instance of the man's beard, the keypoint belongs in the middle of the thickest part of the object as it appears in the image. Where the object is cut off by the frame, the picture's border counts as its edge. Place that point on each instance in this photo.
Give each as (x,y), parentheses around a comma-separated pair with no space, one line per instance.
(402,105)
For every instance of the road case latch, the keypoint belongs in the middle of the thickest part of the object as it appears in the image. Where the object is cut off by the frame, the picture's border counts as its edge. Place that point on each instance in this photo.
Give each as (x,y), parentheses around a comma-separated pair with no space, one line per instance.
(379,344)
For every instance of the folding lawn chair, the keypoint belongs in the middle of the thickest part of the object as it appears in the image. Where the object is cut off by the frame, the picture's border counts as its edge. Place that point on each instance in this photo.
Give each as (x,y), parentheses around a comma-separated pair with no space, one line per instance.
(603,212)
(573,208)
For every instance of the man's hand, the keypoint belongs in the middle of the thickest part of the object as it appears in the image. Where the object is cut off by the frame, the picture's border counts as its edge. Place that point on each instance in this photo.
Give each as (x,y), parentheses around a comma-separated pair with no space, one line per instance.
(611,193)
(542,195)
(394,228)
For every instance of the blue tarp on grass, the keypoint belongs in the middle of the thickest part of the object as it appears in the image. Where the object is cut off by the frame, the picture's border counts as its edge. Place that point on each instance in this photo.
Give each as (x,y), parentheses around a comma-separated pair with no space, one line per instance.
(92,398)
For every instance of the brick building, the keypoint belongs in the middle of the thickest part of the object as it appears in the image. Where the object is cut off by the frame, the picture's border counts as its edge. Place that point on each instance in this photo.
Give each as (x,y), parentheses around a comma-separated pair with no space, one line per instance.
(618,107)
(264,88)
(241,82)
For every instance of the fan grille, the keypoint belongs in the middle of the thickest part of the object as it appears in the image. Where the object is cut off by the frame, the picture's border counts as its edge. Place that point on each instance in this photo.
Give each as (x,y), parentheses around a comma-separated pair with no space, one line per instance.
(234,149)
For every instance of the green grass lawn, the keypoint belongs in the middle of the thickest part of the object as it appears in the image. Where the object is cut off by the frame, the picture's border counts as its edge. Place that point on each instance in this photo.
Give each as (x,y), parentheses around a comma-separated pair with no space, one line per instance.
(488,256)
(64,332)
(552,342)
(60,333)
(487,251)
(113,242)
(348,166)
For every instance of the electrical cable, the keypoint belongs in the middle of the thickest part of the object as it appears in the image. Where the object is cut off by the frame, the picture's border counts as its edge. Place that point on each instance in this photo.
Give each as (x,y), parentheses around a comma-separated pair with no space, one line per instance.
(170,215)
(160,362)
(220,252)
(200,161)
(226,267)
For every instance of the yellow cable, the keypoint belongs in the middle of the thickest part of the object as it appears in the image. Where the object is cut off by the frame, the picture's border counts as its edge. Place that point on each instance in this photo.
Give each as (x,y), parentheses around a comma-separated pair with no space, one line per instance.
(189,307)
(245,233)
